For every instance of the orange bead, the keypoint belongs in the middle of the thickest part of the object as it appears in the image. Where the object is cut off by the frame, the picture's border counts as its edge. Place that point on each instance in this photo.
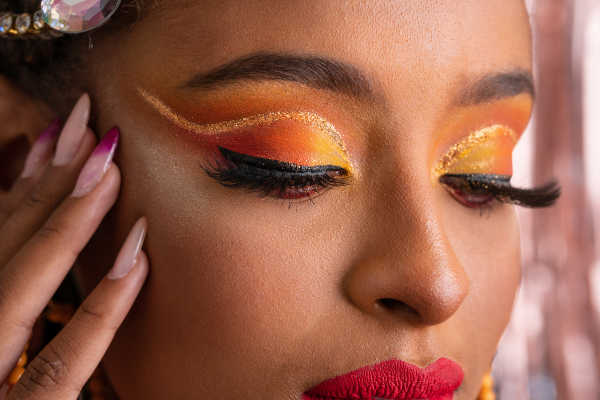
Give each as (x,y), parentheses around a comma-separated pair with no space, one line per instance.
(487,396)
(60,313)
(14,376)
(22,360)
(488,381)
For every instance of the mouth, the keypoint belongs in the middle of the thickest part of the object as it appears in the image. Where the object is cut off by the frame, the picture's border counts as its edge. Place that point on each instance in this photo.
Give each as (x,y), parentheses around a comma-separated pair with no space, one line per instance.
(392,380)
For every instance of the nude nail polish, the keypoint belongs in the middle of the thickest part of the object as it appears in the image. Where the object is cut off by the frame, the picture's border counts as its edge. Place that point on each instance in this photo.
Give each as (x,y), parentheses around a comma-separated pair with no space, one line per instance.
(130,252)
(71,136)
(41,151)
(96,166)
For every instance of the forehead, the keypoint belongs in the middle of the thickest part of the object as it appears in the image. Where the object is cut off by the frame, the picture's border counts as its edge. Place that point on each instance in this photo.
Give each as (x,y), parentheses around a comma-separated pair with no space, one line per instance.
(420,50)
(417,36)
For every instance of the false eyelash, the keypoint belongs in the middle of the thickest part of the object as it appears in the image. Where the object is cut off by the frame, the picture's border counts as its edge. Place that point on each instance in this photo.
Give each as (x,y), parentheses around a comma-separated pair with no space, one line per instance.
(500,188)
(274,178)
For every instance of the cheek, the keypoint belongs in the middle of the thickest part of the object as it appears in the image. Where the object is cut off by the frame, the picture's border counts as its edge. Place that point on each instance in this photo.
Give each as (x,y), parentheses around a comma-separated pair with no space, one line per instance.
(487,246)
(233,277)
(254,296)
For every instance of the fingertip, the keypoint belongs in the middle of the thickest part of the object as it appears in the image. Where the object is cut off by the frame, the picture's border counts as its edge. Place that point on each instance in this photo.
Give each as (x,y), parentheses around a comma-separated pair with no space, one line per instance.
(113,174)
(129,255)
(143,264)
(136,277)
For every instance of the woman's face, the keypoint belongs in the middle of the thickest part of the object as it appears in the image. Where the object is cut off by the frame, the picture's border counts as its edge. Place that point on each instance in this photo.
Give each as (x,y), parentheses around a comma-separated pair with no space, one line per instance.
(265,288)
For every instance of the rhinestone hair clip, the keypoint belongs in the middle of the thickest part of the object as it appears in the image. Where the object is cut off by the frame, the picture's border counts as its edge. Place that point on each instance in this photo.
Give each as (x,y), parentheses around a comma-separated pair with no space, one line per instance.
(56,17)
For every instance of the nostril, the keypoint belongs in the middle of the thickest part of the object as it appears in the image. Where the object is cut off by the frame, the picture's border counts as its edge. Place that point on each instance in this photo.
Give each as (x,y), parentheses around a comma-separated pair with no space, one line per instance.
(397,307)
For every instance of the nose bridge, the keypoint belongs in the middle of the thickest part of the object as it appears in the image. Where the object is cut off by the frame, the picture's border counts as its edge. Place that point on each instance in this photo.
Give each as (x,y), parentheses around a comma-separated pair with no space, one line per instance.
(410,264)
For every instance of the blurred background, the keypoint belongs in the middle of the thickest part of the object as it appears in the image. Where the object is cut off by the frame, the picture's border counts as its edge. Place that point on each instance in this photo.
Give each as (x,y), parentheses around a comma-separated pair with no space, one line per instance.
(551,349)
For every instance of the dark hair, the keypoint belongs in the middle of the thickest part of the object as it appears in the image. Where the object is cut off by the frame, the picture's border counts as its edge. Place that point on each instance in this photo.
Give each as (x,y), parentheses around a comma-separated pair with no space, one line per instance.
(45,68)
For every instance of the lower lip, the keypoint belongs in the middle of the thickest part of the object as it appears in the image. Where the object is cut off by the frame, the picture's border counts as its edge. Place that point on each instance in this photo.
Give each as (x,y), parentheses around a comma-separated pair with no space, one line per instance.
(392,380)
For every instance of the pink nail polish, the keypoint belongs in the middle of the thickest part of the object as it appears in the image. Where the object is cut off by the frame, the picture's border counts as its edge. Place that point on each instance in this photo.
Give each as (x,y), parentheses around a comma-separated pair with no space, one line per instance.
(71,137)
(41,150)
(96,166)
(130,252)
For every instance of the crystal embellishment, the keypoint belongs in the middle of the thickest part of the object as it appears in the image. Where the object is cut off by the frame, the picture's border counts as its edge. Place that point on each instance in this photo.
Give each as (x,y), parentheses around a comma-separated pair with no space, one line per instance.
(73,16)
(38,20)
(23,23)
(6,21)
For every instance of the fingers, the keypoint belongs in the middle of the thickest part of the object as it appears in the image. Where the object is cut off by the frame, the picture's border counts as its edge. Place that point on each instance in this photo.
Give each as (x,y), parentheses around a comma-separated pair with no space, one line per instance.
(63,367)
(68,145)
(39,155)
(55,185)
(32,276)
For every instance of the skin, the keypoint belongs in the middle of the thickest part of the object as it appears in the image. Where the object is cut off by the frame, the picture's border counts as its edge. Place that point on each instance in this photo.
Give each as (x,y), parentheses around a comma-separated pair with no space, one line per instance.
(220,316)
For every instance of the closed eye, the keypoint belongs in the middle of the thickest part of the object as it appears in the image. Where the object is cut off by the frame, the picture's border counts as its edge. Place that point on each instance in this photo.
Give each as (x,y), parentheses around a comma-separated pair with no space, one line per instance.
(273,177)
(479,190)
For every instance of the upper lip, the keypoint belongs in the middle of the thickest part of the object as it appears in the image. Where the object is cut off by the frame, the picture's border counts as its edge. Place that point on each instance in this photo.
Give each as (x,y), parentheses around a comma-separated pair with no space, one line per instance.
(394,380)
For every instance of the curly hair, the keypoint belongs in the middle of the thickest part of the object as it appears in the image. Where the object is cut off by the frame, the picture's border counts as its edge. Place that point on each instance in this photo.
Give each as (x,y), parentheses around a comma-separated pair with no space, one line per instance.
(44,68)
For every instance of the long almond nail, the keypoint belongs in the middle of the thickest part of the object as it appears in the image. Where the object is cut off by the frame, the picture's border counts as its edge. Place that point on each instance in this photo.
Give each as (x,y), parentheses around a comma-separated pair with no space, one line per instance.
(41,151)
(71,136)
(130,252)
(96,166)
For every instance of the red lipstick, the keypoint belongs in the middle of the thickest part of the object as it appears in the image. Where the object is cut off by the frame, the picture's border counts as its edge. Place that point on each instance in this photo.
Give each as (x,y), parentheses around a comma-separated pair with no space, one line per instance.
(392,380)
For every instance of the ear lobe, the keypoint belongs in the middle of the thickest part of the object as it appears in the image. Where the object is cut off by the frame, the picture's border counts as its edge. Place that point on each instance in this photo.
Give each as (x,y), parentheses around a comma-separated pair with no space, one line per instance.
(22,119)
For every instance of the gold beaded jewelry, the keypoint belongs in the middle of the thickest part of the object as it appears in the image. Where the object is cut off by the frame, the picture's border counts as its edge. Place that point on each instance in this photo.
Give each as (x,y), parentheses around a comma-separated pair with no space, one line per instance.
(25,25)
(487,387)
(55,313)
(18,370)
(56,17)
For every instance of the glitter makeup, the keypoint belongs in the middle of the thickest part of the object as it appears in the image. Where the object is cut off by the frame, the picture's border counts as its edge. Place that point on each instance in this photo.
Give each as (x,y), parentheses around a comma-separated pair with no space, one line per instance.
(477,170)
(486,151)
(298,137)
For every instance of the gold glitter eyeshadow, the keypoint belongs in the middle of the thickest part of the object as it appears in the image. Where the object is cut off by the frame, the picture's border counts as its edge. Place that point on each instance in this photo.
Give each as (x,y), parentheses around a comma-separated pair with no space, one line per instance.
(259,119)
(473,141)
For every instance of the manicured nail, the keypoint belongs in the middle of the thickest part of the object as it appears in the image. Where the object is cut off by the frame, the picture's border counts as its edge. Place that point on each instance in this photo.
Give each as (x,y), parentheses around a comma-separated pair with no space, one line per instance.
(130,252)
(41,151)
(96,166)
(71,137)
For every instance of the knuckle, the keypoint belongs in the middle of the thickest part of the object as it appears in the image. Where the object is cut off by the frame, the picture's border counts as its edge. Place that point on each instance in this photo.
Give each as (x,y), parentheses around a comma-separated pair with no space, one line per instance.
(47,371)
(53,232)
(50,233)
(94,314)
(40,199)
(89,313)
(57,232)
(9,311)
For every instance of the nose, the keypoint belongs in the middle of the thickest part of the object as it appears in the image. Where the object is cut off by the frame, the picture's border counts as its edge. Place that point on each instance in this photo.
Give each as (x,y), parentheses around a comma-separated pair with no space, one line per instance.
(410,270)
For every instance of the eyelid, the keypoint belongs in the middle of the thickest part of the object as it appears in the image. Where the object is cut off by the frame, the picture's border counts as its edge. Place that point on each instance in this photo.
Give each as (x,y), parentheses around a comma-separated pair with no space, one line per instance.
(264,119)
(480,152)
(275,178)
(279,165)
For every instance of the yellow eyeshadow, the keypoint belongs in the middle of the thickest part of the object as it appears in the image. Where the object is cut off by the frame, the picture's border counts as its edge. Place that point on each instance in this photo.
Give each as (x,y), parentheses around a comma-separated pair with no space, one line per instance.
(321,145)
(486,151)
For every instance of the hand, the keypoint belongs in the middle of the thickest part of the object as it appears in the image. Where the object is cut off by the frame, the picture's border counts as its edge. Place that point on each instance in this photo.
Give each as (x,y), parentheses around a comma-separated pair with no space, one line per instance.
(45,221)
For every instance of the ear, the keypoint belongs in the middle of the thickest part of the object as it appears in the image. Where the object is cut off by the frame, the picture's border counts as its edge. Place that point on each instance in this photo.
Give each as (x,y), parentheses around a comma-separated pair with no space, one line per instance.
(22,119)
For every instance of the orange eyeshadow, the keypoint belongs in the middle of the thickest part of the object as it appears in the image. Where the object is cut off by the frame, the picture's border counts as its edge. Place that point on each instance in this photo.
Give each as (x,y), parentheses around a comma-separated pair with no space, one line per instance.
(486,151)
(297,137)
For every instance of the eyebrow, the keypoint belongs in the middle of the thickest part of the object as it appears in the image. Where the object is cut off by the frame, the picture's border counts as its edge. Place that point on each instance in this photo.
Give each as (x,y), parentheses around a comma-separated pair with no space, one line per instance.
(339,77)
(315,72)
(496,86)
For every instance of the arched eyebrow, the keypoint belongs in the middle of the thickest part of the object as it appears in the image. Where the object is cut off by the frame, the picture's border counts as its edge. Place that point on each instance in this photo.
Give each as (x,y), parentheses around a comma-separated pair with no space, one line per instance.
(315,72)
(496,86)
(342,78)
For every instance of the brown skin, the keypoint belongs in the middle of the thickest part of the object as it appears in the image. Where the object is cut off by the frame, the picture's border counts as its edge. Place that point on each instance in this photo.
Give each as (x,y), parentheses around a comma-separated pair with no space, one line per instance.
(248,298)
